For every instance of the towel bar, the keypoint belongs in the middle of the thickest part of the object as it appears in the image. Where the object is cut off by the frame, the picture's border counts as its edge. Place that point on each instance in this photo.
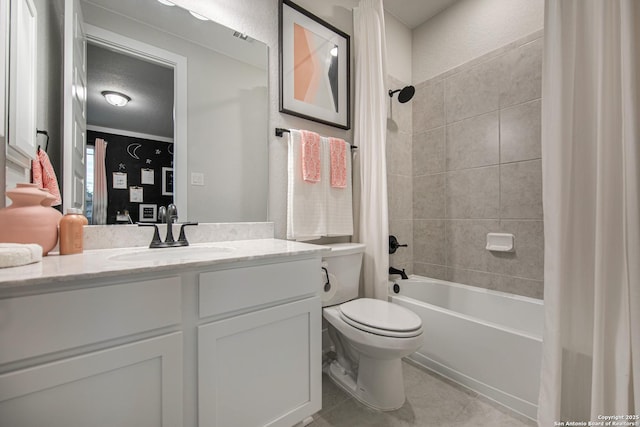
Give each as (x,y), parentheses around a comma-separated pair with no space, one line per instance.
(281,131)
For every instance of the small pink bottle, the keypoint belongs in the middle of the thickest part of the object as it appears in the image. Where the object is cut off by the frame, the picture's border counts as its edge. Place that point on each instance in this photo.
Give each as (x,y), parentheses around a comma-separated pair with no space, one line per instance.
(71,232)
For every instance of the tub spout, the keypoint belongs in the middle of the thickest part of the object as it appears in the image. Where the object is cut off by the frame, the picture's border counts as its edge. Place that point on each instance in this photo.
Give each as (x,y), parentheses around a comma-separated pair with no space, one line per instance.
(402,274)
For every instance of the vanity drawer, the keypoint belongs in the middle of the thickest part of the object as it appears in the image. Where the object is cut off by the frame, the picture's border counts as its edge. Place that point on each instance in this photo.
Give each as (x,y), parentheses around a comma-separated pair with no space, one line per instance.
(224,291)
(40,324)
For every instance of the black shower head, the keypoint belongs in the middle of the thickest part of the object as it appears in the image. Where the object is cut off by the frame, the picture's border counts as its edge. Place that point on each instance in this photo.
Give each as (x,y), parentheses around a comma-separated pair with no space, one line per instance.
(405,95)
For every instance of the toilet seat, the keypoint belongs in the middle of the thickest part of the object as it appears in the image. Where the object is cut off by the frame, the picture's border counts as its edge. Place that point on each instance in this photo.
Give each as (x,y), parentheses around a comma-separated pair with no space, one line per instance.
(381,318)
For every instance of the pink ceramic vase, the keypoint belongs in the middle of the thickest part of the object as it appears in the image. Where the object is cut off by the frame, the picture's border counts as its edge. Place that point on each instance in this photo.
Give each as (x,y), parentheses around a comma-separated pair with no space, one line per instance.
(30,218)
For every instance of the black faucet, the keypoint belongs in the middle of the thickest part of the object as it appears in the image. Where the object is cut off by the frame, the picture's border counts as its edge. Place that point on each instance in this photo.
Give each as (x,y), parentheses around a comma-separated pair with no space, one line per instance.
(402,274)
(172,216)
(169,241)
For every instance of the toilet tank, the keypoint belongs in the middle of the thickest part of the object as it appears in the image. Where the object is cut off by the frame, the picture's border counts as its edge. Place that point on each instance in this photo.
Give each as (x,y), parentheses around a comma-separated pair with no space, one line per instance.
(343,263)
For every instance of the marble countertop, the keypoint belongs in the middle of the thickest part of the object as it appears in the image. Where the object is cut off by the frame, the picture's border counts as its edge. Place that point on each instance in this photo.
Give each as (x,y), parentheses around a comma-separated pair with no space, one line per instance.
(104,263)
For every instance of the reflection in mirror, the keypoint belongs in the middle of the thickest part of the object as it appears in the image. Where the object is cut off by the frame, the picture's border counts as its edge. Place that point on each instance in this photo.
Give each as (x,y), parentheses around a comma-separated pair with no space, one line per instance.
(209,108)
(133,132)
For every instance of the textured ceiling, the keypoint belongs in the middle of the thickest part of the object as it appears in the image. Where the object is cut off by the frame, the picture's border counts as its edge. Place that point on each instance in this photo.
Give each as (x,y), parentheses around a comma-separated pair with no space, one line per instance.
(149,85)
(413,13)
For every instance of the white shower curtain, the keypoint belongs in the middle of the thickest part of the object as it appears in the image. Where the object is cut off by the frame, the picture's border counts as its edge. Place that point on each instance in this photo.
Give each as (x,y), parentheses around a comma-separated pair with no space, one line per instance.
(370,137)
(99,183)
(591,193)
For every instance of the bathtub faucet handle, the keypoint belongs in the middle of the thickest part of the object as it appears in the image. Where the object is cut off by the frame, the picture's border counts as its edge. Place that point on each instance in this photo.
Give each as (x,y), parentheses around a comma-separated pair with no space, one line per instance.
(394,245)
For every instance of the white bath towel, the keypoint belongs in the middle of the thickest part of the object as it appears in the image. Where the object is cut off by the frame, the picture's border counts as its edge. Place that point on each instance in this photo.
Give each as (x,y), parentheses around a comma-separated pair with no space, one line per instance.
(338,200)
(15,254)
(306,207)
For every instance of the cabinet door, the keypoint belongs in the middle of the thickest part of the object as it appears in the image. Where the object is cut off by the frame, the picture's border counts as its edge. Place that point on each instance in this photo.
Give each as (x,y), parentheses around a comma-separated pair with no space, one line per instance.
(261,368)
(136,385)
(58,321)
(22,81)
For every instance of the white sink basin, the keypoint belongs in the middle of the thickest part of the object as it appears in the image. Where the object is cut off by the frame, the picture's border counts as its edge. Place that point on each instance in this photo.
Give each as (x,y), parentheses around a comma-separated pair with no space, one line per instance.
(179,254)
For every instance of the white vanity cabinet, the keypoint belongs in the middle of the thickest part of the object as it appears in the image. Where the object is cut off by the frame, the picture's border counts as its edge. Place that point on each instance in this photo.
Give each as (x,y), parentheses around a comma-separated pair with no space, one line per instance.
(137,384)
(261,367)
(226,344)
(58,368)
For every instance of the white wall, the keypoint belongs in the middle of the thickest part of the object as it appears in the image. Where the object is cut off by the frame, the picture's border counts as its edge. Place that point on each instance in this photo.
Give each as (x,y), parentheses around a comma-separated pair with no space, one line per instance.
(469,29)
(399,49)
(227,118)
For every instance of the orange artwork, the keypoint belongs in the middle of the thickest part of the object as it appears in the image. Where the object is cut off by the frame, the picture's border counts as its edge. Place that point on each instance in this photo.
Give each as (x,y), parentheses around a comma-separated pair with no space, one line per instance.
(313,64)
(305,83)
(314,67)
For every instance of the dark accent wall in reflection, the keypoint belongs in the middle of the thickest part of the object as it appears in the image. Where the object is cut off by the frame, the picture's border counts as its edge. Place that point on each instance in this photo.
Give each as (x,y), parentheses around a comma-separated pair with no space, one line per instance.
(142,160)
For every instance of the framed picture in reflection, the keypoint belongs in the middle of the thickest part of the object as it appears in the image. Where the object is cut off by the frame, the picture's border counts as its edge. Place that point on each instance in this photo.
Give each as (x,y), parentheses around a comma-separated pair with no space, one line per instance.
(167,181)
(314,67)
(148,212)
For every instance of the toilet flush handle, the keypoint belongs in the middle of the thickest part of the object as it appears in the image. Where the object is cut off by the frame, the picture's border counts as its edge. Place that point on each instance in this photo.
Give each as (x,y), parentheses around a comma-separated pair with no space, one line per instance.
(327,286)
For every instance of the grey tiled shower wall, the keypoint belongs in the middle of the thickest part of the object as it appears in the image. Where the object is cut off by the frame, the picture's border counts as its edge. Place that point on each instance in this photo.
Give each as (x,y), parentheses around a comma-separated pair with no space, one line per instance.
(400,177)
(471,166)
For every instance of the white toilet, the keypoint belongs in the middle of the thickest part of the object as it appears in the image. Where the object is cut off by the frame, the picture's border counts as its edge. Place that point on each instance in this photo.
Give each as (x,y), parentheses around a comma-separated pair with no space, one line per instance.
(370,336)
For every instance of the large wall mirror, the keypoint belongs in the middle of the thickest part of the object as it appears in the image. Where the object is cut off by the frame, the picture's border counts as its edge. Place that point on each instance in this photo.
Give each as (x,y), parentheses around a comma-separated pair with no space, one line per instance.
(219,109)
(194,130)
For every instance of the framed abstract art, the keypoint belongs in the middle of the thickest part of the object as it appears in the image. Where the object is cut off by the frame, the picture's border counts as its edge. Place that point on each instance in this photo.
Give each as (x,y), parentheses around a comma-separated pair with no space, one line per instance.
(314,68)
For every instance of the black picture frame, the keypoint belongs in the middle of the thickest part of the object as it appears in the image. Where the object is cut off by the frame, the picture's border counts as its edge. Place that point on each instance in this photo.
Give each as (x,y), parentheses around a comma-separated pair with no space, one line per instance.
(148,212)
(167,181)
(315,67)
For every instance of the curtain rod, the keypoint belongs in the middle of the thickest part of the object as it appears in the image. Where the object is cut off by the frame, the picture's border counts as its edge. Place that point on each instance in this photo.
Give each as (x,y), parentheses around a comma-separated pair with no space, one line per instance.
(281,131)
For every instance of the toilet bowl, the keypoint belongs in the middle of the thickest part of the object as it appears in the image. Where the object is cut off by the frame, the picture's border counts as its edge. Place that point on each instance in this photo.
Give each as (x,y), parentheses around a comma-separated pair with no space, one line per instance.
(370,336)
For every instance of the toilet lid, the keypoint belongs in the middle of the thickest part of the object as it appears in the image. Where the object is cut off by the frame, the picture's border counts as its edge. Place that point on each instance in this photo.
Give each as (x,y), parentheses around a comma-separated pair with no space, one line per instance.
(380,315)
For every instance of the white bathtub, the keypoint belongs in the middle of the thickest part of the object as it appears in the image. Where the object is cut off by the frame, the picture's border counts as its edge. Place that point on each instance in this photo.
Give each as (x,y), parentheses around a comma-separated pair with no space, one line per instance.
(488,341)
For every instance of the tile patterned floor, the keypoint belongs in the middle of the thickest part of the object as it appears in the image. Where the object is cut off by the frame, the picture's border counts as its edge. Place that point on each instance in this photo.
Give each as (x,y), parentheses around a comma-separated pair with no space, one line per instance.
(431,401)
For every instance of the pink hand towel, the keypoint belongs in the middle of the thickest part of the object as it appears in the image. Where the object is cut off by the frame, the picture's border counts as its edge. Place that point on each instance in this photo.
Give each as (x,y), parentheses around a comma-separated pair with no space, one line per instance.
(45,176)
(338,153)
(310,156)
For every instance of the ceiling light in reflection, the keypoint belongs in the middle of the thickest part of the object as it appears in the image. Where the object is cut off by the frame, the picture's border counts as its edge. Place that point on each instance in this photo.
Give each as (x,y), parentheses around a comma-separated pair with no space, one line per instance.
(116,99)
(166,2)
